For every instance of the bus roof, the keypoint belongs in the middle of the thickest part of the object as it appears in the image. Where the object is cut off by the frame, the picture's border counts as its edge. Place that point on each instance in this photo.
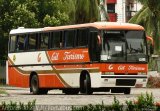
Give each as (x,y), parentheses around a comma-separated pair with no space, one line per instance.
(98,25)
(23,30)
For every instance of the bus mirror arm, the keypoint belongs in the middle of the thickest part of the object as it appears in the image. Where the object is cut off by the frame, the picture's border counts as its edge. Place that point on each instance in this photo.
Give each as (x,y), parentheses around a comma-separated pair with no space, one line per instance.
(151,49)
(151,44)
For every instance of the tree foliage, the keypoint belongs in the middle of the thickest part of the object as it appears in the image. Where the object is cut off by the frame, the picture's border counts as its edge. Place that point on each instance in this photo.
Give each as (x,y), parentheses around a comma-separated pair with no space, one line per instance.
(149,17)
(86,11)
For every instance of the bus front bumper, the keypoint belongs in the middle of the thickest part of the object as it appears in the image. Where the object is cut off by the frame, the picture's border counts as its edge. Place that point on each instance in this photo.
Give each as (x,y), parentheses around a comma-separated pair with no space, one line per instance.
(123,81)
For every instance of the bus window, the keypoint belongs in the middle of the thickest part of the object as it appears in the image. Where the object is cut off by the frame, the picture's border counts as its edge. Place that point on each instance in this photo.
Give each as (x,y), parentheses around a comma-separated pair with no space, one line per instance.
(56,40)
(26,41)
(69,38)
(20,43)
(82,37)
(136,42)
(32,41)
(12,43)
(44,41)
(94,46)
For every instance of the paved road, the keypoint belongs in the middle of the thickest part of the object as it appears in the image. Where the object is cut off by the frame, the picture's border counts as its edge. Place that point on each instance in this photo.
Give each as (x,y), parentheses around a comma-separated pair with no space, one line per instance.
(56,97)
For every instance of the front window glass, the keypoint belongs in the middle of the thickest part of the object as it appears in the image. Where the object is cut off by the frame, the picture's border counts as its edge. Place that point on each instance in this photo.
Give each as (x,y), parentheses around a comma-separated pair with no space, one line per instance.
(113,46)
(136,46)
(123,46)
(135,42)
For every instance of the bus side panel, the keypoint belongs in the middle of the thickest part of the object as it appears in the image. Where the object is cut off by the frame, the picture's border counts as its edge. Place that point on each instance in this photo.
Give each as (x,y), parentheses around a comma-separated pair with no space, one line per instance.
(71,79)
(95,79)
(15,78)
(50,81)
(69,56)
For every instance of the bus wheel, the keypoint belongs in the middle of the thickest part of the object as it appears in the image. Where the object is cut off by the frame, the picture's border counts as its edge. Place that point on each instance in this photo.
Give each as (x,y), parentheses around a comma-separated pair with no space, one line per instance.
(127,90)
(35,85)
(86,85)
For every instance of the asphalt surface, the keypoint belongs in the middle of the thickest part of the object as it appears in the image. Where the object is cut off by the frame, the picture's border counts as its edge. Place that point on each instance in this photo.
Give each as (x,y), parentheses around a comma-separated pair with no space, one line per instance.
(56,97)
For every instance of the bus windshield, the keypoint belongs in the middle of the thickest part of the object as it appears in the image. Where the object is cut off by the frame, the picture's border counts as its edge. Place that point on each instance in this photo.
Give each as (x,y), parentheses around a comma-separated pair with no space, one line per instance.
(124,46)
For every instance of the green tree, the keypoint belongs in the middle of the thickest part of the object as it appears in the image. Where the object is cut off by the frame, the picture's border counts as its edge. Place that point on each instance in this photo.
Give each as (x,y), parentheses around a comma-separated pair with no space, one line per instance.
(55,12)
(23,17)
(86,11)
(149,17)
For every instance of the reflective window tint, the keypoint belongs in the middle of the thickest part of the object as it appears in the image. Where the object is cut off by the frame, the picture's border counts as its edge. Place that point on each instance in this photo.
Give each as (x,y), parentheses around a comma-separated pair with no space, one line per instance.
(82,37)
(56,40)
(135,42)
(69,38)
(32,41)
(44,40)
(20,43)
(12,43)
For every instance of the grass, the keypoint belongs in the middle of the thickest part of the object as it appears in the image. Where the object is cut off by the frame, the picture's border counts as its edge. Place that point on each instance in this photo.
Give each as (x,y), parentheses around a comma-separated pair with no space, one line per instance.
(14,106)
(2,91)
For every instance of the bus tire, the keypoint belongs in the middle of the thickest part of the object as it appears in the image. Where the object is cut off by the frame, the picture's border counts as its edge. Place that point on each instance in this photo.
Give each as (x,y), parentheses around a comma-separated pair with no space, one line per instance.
(127,90)
(34,85)
(86,85)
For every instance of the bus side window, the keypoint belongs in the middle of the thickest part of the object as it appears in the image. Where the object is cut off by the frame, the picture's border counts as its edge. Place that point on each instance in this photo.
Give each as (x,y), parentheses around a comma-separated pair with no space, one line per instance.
(56,40)
(44,37)
(69,38)
(20,43)
(26,41)
(32,41)
(12,43)
(82,37)
(94,46)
